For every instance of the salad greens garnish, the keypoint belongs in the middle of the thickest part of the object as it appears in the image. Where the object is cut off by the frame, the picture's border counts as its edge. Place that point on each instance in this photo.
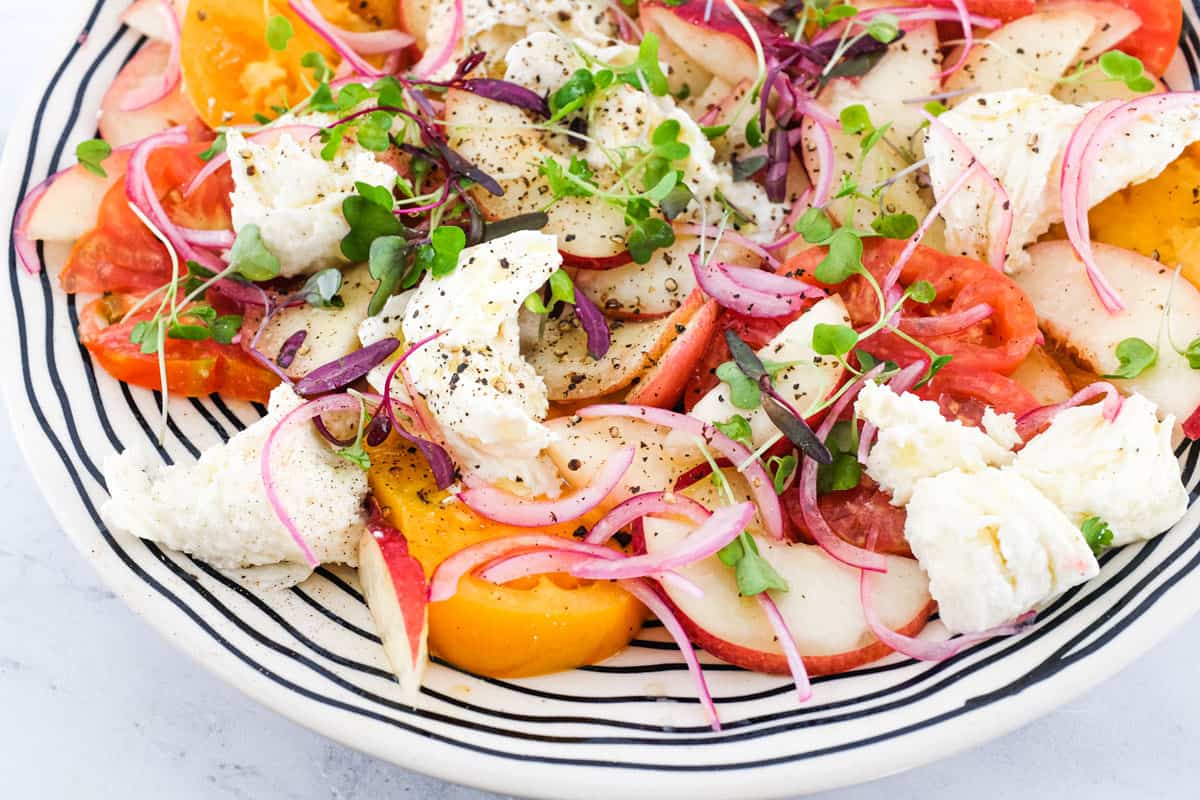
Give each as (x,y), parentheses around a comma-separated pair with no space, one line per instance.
(215,149)
(1135,357)
(781,469)
(1097,534)
(250,258)
(737,428)
(91,153)
(845,471)
(279,32)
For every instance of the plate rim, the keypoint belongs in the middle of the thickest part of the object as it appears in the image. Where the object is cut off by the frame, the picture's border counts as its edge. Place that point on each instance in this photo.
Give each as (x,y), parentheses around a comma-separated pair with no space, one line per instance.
(940,740)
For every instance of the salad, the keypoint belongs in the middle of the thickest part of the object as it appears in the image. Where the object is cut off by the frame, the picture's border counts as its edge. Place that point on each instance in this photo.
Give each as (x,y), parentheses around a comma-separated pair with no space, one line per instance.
(817,331)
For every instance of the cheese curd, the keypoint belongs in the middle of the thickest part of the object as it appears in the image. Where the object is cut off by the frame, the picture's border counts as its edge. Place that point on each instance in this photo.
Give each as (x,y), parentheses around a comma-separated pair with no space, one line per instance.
(993,547)
(217,509)
(803,385)
(1021,138)
(295,197)
(487,399)
(620,124)
(915,441)
(1123,471)
(493,26)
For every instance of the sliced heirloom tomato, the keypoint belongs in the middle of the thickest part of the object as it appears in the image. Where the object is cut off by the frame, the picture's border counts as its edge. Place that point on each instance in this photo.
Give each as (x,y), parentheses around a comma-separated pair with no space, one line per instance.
(231,73)
(964,394)
(528,627)
(997,344)
(857,515)
(120,254)
(194,368)
(1004,10)
(1156,41)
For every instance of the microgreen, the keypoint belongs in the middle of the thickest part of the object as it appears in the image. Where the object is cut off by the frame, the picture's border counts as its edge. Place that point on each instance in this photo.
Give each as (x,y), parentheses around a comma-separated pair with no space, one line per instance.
(645,72)
(754,573)
(843,259)
(844,472)
(815,226)
(91,153)
(279,32)
(316,62)
(215,149)
(712,132)
(370,216)
(781,468)
(580,183)
(1119,66)
(1192,354)
(321,289)
(743,392)
(833,340)
(355,453)
(737,428)
(562,290)
(895,226)
(1097,534)
(1135,357)
(387,262)
(250,258)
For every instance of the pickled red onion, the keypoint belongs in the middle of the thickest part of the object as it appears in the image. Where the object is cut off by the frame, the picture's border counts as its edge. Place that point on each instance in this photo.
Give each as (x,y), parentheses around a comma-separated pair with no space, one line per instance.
(1031,422)
(761,487)
(650,503)
(443,584)
(944,324)
(730,287)
(307,11)
(509,509)
(787,641)
(149,94)
(431,62)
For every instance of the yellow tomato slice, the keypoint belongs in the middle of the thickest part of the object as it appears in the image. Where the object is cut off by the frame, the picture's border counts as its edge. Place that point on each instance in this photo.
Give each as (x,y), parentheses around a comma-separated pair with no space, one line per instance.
(230,73)
(1159,218)
(529,627)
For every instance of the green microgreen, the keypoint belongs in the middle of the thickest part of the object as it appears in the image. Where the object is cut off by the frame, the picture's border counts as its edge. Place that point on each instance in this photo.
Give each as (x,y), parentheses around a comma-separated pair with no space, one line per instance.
(1097,534)
(92,153)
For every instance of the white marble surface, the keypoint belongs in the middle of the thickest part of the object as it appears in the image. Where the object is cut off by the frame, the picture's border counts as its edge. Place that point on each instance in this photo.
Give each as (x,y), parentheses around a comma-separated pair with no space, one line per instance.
(96,705)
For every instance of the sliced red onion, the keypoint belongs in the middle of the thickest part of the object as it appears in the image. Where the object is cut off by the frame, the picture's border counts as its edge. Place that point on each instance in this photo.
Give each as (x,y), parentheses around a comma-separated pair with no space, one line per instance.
(431,62)
(826,157)
(1029,423)
(642,505)
(443,584)
(372,43)
(945,324)
(221,240)
(26,247)
(329,435)
(653,600)
(722,527)
(264,136)
(909,16)
(893,276)
(968,31)
(779,153)
(140,192)
(346,370)
(787,641)
(378,429)
(439,460)
(924,649)
(541,562)
(307,11)
(513,94)
(294,418)
(149,94)
(761,487)
(818,528)
(509,509)
(291,346)
(998,254)
(592,320)
(1080,161)
(733,237)
(627,29)
(719,282)
(758,280)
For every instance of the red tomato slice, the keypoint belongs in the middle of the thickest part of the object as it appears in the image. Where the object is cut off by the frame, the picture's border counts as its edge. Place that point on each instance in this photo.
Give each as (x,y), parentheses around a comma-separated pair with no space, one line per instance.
(1005,10)
(194,368)
(964,394)
(121,254)
(1157,40)
(997,344)
(855,515)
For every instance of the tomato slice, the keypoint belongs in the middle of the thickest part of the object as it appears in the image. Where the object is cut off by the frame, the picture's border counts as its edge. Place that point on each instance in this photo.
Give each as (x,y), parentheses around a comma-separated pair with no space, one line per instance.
(1005,10)
(1157,40)
(121,254)
(855,515)
(997,344)
(194,368)
(964,394)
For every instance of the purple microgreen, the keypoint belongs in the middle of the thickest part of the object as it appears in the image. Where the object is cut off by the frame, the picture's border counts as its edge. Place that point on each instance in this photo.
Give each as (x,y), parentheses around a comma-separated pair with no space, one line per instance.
(291,346)
(343,371)
(534,221)
(378,430)
(779,153)
(507,92)
(594,325)
(328,435)
(792,425)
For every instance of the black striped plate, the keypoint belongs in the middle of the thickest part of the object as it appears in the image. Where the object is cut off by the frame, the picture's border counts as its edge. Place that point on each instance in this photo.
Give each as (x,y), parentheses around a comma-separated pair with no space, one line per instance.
(629,725)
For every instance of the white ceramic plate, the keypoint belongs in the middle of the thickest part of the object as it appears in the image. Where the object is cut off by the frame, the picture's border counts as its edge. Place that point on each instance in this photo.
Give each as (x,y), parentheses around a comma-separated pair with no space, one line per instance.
(627,728)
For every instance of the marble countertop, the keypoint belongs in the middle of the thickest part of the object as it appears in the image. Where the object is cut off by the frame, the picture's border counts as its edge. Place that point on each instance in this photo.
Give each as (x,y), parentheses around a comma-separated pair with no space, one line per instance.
(94,701)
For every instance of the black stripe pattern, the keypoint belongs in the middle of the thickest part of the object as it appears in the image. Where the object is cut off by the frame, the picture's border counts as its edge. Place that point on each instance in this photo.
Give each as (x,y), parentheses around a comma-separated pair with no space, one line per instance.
(311,652)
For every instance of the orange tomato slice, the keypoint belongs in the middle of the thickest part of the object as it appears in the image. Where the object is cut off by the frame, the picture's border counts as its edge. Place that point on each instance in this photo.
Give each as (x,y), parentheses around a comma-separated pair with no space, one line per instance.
(231,74)
(194,368)
(529,627)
